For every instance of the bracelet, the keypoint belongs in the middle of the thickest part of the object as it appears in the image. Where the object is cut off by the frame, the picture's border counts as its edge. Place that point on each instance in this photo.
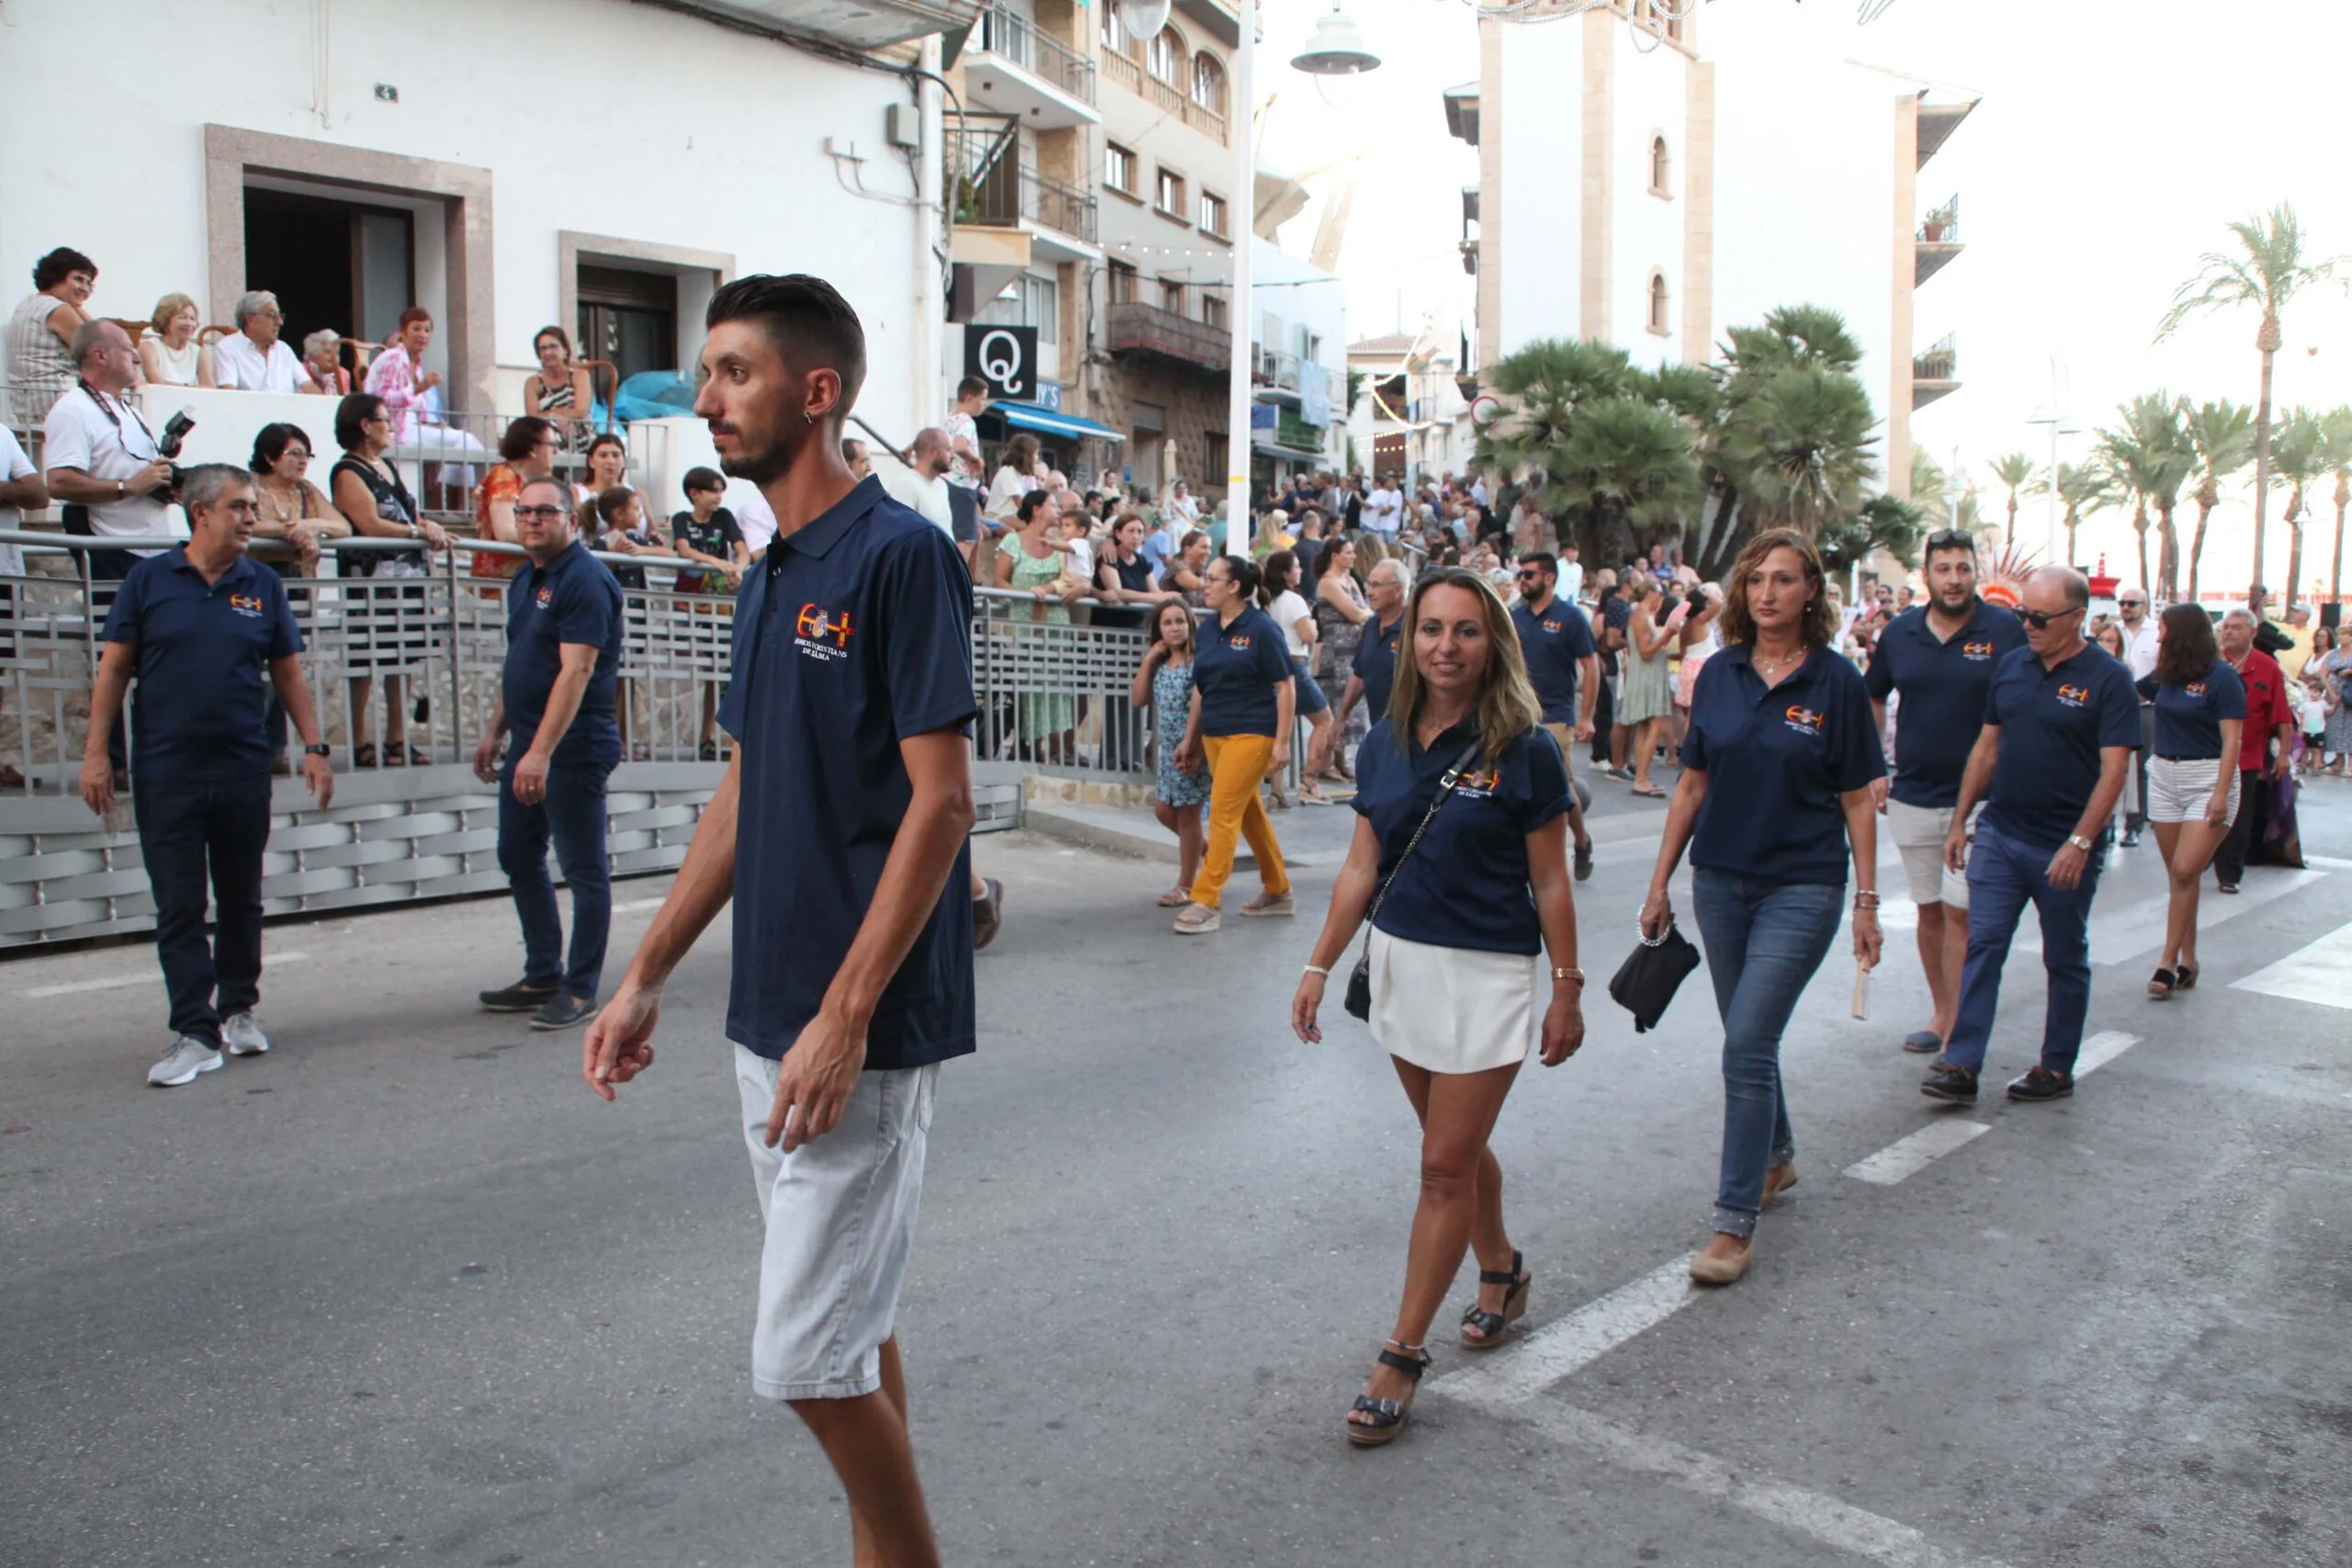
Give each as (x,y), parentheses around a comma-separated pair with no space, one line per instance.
(1866,898)
(1319,969)
(1570,972)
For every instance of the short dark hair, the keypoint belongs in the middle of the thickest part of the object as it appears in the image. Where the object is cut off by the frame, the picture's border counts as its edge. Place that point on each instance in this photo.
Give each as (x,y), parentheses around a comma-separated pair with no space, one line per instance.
(60,264)
(1541,560)
(1245,574)
(415,314)
(2189,650)
(561,487)
(555,332)
(270,443)
(1951,539)
(806,319)
(849,442)
(613,500)
(969,387)
(703,479)
(523,437)
(351,414)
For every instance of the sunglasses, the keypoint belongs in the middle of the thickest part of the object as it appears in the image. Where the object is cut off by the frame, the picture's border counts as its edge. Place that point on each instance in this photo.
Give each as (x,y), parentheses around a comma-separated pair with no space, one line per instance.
(1952,540)
(2040,619)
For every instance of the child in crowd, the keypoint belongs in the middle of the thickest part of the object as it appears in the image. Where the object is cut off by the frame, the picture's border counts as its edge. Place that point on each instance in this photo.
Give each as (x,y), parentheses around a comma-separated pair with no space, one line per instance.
(2311,717)
(708,532)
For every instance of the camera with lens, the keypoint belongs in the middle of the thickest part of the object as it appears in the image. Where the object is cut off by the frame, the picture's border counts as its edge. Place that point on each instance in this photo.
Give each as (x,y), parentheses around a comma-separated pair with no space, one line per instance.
(167,447)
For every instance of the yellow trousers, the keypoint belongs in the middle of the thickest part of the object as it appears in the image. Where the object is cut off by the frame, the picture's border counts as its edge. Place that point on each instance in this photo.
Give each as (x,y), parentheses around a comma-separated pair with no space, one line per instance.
(1238,764)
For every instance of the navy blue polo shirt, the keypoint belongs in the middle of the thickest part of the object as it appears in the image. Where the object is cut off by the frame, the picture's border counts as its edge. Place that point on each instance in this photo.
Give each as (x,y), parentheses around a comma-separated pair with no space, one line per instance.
(1554,643)
(1778,759)
(1236,669)
(2054,724)
(1376,663)
(1466,884)
(1943,683)
(573,598)
(855,634)
(2190,714)
(203,668)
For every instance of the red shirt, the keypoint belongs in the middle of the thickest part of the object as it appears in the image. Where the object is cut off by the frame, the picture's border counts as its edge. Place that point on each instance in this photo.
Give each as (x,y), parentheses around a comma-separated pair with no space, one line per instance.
(2266,709)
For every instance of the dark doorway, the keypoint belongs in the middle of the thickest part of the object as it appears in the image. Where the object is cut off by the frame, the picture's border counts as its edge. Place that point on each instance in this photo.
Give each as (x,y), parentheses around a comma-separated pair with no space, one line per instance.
(331,264)
(629,318)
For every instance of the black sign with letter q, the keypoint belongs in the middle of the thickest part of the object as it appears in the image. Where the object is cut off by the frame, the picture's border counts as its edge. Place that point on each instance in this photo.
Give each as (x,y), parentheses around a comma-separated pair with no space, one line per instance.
(1005,358)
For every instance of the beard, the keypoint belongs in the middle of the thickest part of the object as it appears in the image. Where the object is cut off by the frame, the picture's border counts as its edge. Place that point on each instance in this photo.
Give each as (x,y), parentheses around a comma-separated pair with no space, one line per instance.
(762,466)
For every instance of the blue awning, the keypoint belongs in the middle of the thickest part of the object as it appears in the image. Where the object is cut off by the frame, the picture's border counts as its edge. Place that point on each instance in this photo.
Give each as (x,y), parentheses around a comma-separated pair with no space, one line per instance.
(1029,416)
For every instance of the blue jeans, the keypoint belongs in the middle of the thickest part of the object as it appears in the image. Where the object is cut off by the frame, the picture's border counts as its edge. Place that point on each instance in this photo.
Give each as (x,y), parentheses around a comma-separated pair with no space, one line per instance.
(196,835)
(573,814)
(1764,941)
(2004,872)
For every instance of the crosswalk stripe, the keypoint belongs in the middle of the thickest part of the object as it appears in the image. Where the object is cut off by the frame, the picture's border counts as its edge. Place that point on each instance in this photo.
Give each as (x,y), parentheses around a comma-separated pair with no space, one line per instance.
(2102,1048)
(1908,1157)
(144,977)
(1559,1347)
(2320,973)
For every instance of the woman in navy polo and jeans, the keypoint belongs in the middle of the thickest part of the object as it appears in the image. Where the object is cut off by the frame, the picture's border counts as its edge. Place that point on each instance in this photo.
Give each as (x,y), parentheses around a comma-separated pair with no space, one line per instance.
(1456,947)
(1786,719)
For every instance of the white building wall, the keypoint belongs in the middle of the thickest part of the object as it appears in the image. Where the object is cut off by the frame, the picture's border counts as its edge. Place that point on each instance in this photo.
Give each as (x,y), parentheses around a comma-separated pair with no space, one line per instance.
(1542,137)
(670,131)
(1652,96)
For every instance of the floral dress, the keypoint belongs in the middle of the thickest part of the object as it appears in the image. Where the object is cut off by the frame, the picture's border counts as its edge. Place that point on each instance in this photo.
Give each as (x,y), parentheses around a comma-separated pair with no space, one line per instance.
(1172,707)
(1042,713)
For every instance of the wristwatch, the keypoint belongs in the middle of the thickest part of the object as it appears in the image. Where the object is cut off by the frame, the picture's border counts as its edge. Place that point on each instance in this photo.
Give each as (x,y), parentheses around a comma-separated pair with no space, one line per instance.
(321,750)
(2079,842)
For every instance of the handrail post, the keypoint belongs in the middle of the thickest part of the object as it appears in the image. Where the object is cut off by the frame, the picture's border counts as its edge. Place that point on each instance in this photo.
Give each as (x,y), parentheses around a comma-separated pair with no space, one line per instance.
(457,658)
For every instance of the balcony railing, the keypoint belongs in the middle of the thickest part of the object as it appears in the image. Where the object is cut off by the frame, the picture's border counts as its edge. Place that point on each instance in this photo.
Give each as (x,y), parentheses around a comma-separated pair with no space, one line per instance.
(994,190)
(1939,362)
(1166,96)
(1020,40)
(1275,370)
(1137,328)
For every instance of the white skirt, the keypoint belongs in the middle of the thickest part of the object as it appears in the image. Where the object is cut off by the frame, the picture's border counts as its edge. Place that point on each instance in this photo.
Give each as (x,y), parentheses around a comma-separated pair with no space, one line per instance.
(2178,791)
(1452,1009)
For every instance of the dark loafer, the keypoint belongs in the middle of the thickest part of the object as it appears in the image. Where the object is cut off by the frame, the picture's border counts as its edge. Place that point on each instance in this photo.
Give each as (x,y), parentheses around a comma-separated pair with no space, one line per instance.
(1948,1082)
(517,998)
(987,912)
(564,1012)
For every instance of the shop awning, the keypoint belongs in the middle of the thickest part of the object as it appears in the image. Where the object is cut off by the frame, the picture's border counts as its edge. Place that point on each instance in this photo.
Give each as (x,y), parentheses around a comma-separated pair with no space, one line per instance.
(1049,422)
(1292,454)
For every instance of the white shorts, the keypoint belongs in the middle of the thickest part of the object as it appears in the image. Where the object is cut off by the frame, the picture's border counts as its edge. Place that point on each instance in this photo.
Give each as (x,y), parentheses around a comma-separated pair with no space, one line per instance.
(2178,791)
(840,1219)
(1918,831)
(1452,1009)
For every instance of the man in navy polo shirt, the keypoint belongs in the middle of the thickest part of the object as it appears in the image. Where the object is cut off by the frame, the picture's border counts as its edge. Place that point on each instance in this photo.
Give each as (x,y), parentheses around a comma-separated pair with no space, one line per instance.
(839,834)
(563,653)
(207,634)
(1563,665)
(1374,673)
(2060,721)
(1940,657)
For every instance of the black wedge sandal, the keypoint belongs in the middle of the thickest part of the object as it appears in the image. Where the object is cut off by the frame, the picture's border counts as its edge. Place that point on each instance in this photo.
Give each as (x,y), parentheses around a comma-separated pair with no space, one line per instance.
(1388,1416)
(1491,1324)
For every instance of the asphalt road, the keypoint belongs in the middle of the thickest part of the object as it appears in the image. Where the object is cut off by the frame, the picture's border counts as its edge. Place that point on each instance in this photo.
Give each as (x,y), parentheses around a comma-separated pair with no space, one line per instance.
(403,1292)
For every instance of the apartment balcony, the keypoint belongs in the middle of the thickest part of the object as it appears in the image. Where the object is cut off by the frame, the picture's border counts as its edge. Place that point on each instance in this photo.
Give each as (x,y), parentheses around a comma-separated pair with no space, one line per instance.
(871,24)
(1935,373)
(1937,122)
(1938,242)
(995,190)
(1151,333)
(1016,68)
(1275,372)
(1124,71)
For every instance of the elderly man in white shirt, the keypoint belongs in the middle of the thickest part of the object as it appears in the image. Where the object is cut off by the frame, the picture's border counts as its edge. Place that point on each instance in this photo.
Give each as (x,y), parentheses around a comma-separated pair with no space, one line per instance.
(2138,630)
(254,358)
(99,453)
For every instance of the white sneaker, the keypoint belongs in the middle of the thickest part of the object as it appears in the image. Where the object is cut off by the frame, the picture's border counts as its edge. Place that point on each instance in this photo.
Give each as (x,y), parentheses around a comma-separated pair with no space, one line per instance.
(188,1058)
(241,1032)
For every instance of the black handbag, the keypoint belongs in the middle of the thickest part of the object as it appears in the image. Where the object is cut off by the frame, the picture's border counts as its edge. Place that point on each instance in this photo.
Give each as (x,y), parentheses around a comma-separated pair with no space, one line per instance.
(1646,983)
(1358,1000)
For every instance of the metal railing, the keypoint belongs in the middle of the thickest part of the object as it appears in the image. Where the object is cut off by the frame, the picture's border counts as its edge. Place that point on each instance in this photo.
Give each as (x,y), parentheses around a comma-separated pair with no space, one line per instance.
(1275,369)
(1023,43)
(1942,227)
(1938,362)
(1166,96)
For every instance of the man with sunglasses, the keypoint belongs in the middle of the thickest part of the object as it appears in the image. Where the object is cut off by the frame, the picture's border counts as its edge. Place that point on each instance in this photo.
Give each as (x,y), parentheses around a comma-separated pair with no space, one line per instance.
(2139,634)
(1940,658)
(1563,665)
(2060,721)
(563,654)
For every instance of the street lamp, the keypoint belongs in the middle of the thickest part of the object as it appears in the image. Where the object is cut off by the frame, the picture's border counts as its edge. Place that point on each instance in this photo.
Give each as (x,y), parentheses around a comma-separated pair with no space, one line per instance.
(1337,48)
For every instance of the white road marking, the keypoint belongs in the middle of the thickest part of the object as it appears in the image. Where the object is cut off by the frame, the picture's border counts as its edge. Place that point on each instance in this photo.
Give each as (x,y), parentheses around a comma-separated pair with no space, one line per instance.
(2324,863)
(636,904)
(145,977)
(2320,973)
(1908,1157)
(1871,1537)
(1558,1348)
(2102,1048)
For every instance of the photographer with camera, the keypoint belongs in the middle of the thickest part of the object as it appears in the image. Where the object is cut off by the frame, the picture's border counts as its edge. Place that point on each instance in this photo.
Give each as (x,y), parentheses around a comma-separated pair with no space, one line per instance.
(106,467)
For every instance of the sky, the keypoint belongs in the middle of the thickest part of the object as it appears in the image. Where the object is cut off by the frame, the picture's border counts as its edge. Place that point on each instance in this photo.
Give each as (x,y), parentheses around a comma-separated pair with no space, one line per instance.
(2113,141)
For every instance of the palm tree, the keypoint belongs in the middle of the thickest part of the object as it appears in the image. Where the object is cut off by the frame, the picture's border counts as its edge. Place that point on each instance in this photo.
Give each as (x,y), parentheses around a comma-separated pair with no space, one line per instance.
(2222,437)
(2013,470)
(2152,460)
(1629,463)
(2335,447)
(2296,458)
(2083,489)
(1798,442)
(1927,480)
(2269,277)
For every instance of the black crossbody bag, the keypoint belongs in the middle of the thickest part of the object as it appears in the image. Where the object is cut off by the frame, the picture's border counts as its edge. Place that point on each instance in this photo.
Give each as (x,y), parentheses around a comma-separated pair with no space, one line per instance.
(1359,998)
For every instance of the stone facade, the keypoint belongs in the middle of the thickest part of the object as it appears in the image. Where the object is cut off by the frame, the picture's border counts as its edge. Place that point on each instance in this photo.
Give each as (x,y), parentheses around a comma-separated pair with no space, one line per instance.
(1196,405)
